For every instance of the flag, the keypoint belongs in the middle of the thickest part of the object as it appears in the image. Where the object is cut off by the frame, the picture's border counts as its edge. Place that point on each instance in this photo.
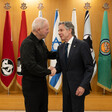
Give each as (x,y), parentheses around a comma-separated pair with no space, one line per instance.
(40,13)
(88,38)
(104,60)
(22,36)
(55,81)
(8,67)
(74,22)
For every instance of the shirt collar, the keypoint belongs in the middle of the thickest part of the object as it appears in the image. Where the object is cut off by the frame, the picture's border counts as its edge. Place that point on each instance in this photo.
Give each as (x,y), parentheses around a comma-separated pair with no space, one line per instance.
(34,38)
(70,41)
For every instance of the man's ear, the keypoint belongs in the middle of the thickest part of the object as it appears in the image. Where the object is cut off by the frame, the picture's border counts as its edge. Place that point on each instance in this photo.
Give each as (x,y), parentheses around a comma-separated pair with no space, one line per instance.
(38,29)
(70,30)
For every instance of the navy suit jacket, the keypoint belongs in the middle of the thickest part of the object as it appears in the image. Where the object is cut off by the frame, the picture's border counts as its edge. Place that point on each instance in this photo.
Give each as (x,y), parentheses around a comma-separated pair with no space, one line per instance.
(79,68)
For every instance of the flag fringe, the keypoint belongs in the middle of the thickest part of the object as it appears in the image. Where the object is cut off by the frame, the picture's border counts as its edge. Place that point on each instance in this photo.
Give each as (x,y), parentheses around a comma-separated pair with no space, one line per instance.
(9,84)
(18,85)
(57,91)
(110,90)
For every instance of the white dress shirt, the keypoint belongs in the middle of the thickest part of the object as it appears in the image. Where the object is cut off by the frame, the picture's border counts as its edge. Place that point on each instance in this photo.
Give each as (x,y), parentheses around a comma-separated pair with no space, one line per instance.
(69,45)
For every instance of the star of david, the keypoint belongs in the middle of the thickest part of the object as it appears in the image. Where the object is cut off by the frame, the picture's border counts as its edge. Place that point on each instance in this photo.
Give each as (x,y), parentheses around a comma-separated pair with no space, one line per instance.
(55,44)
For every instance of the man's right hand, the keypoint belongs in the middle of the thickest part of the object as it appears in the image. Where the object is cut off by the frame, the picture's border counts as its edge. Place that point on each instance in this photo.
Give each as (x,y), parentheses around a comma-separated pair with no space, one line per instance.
(53,71)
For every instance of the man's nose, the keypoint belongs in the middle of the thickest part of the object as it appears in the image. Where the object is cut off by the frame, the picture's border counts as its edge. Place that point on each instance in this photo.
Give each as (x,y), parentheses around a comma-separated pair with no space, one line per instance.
(58,33)
(48,31)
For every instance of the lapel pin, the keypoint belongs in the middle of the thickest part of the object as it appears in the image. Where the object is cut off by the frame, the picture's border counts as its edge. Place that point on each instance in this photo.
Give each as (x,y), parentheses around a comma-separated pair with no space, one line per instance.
(74,46)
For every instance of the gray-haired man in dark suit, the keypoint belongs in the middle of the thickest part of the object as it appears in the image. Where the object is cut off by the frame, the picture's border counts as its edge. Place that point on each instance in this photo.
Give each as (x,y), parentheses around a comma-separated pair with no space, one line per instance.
(75,62)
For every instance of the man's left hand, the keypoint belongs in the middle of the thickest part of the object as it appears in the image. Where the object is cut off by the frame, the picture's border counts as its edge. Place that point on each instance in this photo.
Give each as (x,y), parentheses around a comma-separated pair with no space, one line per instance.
(80,91)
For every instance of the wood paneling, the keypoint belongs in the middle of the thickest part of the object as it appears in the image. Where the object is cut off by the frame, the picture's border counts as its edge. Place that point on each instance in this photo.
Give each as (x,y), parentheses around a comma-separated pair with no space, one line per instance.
(93,102)
(65,7)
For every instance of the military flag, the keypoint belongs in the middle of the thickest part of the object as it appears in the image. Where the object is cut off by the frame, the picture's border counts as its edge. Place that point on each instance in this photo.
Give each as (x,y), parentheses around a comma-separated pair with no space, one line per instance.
(22,36)
(88,38)
(104,60)
(8,67)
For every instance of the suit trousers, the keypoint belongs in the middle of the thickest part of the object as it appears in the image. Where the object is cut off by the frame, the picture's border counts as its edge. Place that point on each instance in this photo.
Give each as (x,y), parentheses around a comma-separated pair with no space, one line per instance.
(73,103)
(35,95)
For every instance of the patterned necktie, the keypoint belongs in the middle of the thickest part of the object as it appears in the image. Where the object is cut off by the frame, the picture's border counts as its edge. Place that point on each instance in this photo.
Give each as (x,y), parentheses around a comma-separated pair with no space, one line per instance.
(66,51)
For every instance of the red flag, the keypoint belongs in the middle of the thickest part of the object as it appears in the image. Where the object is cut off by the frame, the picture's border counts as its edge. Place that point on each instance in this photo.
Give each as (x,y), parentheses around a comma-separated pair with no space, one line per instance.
(8,67)
(22,36)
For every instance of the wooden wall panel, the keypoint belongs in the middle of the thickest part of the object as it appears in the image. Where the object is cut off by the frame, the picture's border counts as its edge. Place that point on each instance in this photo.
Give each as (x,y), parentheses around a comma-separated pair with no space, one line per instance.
(93,102)
(65,9)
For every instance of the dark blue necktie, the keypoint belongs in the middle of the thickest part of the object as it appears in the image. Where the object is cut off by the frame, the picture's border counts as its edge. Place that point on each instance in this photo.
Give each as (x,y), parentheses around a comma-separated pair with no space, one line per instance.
(66,51)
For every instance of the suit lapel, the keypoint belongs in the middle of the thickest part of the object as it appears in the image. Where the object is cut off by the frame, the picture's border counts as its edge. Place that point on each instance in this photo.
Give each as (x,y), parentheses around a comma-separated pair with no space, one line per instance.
(73,47)
(64,54)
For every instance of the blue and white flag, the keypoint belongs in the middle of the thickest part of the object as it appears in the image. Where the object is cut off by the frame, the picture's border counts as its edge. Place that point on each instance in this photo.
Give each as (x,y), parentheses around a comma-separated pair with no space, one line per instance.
(55,82)
(88,38)
(74,22)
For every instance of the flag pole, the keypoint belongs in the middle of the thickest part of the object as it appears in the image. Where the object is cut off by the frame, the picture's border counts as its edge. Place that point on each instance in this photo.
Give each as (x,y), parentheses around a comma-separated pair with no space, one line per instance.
(103,91)
(56,93)
(74,21)
(40,7)
(105,6)
(8,91)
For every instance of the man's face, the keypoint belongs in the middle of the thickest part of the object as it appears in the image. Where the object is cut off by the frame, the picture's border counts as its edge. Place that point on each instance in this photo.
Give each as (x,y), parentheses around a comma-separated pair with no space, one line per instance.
(45,30)
(63,32)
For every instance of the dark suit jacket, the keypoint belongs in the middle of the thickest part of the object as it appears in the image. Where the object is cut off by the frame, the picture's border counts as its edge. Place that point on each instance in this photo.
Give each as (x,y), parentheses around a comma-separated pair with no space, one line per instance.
(34,55)
(79,68)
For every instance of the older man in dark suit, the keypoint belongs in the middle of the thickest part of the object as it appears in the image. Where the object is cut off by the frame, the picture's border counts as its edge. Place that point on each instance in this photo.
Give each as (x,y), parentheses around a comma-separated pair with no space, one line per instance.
(34,55)
(75,62)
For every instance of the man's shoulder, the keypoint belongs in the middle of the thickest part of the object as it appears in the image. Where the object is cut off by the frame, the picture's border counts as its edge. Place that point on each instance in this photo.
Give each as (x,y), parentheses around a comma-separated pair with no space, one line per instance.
(78,40)
(81,41)
(61,45)
(83,44)
(27,40)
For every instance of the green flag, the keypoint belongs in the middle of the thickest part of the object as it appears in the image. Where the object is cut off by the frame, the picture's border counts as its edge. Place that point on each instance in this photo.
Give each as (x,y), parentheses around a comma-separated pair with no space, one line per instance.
(104,60)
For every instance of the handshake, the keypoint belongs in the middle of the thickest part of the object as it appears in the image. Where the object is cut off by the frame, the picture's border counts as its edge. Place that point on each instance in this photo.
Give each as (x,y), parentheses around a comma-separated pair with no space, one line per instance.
(53,71)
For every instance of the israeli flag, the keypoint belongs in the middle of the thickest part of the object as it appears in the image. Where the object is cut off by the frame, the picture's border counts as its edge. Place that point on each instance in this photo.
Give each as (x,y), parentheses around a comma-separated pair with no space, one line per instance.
(55,81)
(88,38)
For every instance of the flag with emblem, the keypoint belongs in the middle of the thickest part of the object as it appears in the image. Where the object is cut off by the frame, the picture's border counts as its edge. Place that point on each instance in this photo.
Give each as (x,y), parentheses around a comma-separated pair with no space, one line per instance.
(88,38)
(104,60)
(74,22)
(8,67)
(22,36)
(55,81)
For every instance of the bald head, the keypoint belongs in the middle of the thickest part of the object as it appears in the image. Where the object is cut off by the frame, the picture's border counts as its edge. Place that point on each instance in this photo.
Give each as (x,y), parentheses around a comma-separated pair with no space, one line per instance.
(38,23)
(40,27)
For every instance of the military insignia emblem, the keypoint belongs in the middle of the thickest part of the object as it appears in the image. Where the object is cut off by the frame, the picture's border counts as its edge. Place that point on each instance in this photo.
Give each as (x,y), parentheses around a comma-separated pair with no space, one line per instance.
(7,67)
(105,47)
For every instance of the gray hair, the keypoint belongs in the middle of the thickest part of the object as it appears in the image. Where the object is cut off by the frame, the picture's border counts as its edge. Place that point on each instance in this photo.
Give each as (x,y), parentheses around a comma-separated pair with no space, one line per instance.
(38,23)
(68,25)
